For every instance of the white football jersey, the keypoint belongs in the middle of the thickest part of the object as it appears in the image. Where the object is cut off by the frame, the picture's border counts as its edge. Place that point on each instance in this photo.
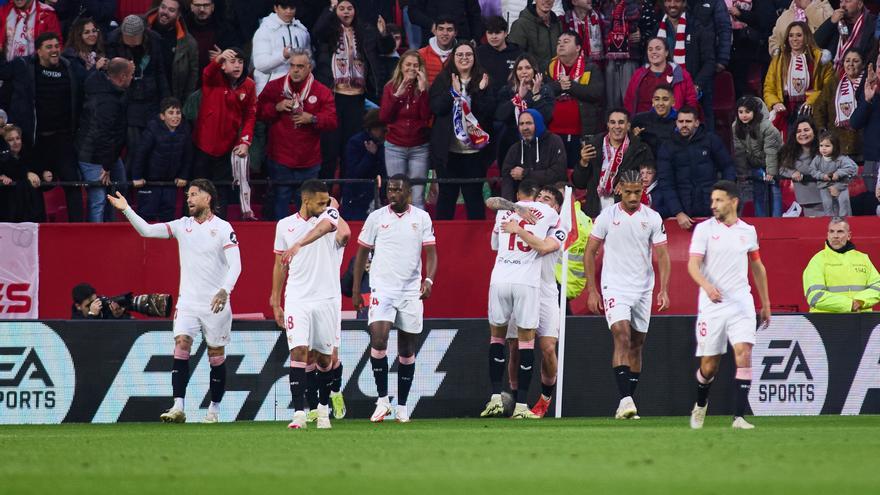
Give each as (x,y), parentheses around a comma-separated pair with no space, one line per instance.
(549,289)
(629,240)
(314,271)
(725,251)
(397,241)
(203,265)
(516,262)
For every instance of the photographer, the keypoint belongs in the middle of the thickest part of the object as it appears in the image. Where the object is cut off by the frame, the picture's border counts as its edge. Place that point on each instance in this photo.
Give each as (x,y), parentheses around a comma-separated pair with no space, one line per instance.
(87,305)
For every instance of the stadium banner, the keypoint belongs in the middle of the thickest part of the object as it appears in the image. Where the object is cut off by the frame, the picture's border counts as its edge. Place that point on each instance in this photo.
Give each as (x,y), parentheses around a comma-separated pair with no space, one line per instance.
(109,371)
(19,271)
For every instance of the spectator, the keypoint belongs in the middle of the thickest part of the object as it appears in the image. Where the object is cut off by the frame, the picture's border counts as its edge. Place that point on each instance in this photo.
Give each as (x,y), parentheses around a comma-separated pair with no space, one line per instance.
(180,53)
(850,26)
(465,13)
(143,47)
(797,76)
(688,165)
(525,88)
(840,279)
(497,55)
(623,45)
(795,157)
(659,71)
(103,12)
(366,160)
(579,90)
(23,21)
(22,202)
(832,172)
(270,57)
(388,59)
(225,124)
(836,105)
(692,45)
(605,157)
(101,134)
(657,125)
(511,9)
(651,195)
(752,23)
(755,146)
(866,119)
(581,18)
(811,12)
(462,104)
(713,16)
(406,111)
(297,109)
(348,64)
(165,154)
(538,157)
(212,32)
(85,46)
(439,47)
(537,30)
(46,101)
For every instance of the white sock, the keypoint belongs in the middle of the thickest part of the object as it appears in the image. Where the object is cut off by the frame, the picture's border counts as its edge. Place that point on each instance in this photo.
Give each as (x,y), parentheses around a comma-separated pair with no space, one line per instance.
(178,403)
(384,400)
(214,407)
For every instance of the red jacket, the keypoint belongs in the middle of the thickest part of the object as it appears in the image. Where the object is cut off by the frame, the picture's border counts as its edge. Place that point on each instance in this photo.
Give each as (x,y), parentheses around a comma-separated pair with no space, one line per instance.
(433,64)
(224,111)
(46,21)
(289,145)
(682,87)
(408,118)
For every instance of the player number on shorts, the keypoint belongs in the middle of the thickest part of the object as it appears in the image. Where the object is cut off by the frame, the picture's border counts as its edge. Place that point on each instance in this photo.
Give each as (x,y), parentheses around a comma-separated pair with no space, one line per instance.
(609,303)
(290,322)
(521,245)
(703,328)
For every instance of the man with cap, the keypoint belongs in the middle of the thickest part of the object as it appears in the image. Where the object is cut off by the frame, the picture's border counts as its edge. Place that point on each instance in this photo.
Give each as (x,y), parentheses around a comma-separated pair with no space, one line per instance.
(539,156)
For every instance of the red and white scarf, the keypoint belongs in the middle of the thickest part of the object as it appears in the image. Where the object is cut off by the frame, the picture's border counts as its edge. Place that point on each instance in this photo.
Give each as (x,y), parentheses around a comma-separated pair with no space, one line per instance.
(798,78)
(590,32)
(299,98)
(574,73)
(20,32)
(465,125)
(519,106)
(346,63)
(743,6)
(845,100)
(611,161)
(618,36)
(845,42)
(678,52)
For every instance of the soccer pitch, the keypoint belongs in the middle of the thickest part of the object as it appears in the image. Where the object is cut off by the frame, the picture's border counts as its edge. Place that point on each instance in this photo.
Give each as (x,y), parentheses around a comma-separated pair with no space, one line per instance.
(828,454)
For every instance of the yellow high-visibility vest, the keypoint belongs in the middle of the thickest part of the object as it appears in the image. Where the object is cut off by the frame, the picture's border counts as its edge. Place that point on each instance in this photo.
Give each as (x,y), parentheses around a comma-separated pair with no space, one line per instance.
(577,280)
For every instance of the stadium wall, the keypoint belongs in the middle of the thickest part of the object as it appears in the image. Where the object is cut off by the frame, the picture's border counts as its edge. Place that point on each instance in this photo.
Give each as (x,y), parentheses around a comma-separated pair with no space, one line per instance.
(54,371)
(114,259)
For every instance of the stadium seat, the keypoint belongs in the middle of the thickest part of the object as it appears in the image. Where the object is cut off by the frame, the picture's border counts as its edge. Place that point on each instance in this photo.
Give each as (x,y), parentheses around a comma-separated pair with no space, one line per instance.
(56,205)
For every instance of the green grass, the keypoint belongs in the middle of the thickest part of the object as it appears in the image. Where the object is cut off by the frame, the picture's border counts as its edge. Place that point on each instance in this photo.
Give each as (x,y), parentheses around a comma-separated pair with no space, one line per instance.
(824,455)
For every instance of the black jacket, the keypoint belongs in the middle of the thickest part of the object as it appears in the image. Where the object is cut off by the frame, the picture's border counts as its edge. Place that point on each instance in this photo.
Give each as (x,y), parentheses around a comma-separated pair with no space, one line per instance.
(587,177)
(655,130)
(102,126)
(369,43)
(687,169)
(442,134)
(590,97)
(149,85)
(699,57)
(467,15)
(498,64)
(828,35)
(543,164)
(162,154)
(21,72)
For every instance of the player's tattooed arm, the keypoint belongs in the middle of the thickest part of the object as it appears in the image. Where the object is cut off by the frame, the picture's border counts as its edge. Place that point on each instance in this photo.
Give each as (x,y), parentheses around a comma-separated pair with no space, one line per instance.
(496,203)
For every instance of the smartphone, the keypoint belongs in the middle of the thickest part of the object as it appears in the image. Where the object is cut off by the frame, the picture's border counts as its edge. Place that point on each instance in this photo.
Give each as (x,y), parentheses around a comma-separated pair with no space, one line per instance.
(587,139)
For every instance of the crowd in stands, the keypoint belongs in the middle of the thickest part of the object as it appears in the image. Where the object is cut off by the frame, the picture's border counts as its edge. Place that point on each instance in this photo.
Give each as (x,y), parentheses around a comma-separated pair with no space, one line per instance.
(142,96)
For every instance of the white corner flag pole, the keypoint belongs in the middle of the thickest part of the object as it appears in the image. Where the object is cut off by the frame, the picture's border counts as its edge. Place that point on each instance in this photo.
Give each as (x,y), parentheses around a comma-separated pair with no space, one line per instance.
(569,222)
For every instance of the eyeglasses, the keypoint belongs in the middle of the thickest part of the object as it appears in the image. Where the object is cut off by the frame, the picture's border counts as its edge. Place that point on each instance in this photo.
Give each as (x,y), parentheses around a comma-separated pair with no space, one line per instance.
(203,6)
(464,55)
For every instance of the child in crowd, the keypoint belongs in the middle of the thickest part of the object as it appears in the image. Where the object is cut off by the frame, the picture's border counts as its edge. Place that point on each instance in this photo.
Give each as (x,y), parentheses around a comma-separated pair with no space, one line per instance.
(833,172)
(164,154)
(755,146)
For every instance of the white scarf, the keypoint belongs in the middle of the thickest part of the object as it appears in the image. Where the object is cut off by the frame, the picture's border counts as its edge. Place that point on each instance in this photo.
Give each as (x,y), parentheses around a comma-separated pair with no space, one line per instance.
(611,160)
(299,99)
(798,78)
(844,44)
(240,176)
(20,32)
(678,52)
(443,54)
(845,100)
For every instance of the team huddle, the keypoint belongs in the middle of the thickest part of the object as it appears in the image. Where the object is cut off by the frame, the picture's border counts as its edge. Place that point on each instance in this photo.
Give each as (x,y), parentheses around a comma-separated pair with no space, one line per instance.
(524,298)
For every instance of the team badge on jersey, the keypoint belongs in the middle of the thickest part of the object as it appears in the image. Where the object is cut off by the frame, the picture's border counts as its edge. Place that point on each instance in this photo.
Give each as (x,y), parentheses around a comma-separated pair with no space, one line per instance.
(415,227)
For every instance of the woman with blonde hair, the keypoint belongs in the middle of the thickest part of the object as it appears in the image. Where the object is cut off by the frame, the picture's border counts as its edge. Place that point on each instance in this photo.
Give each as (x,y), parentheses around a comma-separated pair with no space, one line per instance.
(24,201)
(406,111)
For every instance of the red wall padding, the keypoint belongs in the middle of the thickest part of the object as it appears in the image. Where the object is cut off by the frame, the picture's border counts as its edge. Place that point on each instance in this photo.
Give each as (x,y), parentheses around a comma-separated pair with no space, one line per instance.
(114,259)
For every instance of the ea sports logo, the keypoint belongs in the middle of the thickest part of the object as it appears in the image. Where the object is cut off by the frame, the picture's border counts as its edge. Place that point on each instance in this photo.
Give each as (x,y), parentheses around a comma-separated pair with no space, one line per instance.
(37,379)
(790,369)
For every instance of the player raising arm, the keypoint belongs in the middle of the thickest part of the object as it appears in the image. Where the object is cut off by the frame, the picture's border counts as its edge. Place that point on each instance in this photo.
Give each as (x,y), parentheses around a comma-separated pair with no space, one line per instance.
(722,250)
(210,264)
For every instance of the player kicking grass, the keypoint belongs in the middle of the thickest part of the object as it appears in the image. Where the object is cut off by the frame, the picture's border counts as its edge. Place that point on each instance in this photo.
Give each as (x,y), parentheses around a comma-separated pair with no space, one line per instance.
(629,231)
(722,250)
(397,234)
(514,293)
(307,247)
(210,264)
(550,249)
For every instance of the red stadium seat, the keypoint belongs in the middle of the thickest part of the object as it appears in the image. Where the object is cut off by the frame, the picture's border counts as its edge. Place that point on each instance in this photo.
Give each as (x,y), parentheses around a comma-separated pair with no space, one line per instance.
(56,205)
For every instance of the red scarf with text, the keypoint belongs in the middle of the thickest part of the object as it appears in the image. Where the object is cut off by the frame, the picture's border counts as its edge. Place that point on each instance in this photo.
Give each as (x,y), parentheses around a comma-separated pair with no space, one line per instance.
(845,100)
(611,161)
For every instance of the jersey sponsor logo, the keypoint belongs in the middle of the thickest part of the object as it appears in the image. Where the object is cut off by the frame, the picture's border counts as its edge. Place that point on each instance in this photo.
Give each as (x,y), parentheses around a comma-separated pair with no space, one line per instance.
(791,369)
(867,376)
(37,378)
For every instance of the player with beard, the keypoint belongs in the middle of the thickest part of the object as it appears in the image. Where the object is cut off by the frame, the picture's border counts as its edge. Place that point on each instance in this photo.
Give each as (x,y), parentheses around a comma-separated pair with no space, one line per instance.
(210,264)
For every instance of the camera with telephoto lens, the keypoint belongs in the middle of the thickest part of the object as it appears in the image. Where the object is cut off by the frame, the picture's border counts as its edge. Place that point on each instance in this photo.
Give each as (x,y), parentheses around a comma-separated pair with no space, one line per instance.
(146,304)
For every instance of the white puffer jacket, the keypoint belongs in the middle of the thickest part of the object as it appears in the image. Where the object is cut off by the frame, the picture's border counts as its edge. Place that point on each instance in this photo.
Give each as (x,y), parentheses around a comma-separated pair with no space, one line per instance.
(269,43)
